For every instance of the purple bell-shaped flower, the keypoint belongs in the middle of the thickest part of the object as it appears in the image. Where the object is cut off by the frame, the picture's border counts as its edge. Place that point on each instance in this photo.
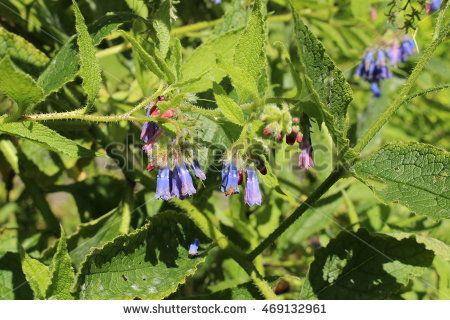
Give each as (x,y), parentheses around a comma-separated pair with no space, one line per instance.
(198,170)
(230,179)
(252,191)
(305,158)
(163,184)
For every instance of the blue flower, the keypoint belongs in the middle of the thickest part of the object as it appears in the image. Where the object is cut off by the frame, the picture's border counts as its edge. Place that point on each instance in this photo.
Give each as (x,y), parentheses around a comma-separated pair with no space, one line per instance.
(366,68)
(187,188)
(407,48)
(193,248)
(163,184)
(149,129)
(175,184)
(216,1)
(435,5)
(381,70)
(252,192)
(230,179)
(198,170)
(375,88)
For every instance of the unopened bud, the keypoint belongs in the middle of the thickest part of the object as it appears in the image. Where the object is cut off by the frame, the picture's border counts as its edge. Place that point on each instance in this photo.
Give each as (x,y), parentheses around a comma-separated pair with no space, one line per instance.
(168,114)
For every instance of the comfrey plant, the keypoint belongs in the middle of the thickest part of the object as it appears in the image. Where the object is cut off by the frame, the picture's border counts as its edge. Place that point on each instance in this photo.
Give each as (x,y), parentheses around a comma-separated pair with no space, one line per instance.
(256,174)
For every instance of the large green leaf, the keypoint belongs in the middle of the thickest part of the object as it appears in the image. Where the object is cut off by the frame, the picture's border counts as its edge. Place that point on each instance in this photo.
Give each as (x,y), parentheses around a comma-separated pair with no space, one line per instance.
(89,235)
(18,85)
(64,66)
(228,106)
(365,265)
(325,81)
(249,54)
(162,26)
(204,59)
(413,174)
(149,263)
(62,275)
(89,67)
(46,137)
(37,275)
(22,52)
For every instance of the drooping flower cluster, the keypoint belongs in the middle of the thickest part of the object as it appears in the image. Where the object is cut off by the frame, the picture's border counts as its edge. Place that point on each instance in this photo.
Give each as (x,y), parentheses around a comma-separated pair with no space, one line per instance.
(374,67)
(433,6)
(232,177)
(172,156)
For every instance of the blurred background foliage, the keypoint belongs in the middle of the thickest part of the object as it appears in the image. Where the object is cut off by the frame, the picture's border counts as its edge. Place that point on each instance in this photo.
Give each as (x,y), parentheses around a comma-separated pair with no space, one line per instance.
(46,189)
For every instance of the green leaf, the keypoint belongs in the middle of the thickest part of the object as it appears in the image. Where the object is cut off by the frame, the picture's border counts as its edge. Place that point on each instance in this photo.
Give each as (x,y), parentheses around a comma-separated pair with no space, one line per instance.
(13,285)
(324,80)
(89,67)
(413,174)
(37,275)
(213,133)
(439,248)
(89,235)
(243,83)
(162,26)
(149,263)
(61,271)
(18,85)
(10,152)
(176,57)
(250,53)
(64,66)
(46,137)
(365,265)
(204,59)
(22,52)
(152,59)
(229,108)
(235,17)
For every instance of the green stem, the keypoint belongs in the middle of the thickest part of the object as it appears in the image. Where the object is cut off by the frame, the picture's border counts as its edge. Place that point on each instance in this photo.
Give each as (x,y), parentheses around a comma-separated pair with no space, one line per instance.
(92,117)
(402,97)
(329,181)
(426,91)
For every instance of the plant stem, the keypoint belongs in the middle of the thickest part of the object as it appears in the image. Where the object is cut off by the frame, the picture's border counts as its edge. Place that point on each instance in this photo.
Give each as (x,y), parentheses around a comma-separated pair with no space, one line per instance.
(329,181)
(403,95)
(92,117)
